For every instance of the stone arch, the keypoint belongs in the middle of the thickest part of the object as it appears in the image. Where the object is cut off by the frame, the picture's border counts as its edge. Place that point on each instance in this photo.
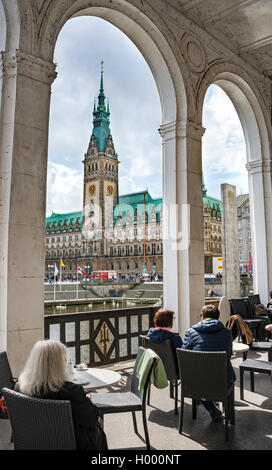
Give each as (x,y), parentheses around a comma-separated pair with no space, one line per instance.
(173,80)
(254,118)
(29,74)
(10,22)
(174,89)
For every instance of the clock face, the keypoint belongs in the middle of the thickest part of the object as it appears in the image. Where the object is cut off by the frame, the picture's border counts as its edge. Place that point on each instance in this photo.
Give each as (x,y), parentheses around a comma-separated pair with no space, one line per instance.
(92,189)
(109,190)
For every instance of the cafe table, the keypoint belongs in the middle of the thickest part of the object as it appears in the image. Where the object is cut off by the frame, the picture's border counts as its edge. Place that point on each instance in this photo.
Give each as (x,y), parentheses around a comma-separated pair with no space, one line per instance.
(240,348)
(95,378)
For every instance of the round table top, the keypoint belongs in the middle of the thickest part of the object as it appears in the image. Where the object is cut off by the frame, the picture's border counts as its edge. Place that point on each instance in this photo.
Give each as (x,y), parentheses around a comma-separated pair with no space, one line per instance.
(239,347)
(95,378)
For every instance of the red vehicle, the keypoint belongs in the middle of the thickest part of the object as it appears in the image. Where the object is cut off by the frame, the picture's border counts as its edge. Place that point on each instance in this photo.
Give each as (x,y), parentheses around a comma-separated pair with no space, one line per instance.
(104,275)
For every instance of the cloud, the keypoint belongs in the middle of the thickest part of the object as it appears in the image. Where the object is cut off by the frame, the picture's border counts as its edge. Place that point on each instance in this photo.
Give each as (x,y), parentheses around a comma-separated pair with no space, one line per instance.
(224,150)
(134,120)
(65,189)
(133,98)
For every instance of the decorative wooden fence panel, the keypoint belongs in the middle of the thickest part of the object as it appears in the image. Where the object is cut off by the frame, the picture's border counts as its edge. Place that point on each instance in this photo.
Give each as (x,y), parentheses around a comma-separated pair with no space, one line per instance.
(100,337)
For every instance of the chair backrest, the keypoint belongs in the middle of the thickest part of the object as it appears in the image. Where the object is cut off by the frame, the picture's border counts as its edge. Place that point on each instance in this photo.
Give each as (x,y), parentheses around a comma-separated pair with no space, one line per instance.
(135,381)
(253,300)
(203,374)
(166,353)
(40,424)
(5,372)
(240,307)
(224,309)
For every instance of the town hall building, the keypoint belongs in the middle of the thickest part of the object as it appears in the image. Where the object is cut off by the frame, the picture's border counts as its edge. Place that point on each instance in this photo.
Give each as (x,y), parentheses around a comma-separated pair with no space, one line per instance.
(121,233)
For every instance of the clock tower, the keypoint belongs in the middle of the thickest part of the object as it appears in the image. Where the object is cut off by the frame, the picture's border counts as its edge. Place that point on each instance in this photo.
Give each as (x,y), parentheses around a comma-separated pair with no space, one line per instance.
(100,192)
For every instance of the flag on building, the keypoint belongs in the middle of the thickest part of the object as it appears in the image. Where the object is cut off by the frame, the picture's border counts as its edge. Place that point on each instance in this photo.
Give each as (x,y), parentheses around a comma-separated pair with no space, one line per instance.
(62,263)
(80,270)
(56,270)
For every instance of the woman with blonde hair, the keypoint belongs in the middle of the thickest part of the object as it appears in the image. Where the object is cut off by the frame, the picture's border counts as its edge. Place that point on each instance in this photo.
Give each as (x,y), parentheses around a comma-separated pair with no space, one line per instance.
(45,376)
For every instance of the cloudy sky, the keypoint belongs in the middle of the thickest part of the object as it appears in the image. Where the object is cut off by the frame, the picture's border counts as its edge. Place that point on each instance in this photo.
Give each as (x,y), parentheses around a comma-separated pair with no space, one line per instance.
(135,118)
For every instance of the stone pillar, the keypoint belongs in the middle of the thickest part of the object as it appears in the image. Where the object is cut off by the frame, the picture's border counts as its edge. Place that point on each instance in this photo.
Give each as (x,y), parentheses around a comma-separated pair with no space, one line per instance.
(183,251)
(23,170)
(259,228)
(267,180)
(230,249)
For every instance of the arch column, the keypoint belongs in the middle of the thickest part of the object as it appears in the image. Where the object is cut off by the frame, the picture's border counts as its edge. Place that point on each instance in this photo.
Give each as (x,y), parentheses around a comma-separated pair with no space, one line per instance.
(23,170)
(267,179)
(258,228)
(183,250)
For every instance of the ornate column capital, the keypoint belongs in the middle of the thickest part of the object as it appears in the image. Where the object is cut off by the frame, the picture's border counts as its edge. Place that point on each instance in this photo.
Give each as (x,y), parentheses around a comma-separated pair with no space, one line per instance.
(181,129)
(190,129)
(254,167)
(168,130)
(35,68)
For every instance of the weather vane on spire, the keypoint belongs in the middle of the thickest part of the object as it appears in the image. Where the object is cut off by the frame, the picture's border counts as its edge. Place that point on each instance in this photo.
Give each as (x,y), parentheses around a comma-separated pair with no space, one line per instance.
(102,62)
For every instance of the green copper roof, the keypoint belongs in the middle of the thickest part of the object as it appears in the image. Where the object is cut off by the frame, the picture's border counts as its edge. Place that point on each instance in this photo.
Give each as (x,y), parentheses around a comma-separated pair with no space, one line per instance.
(128,203)
(211,201)
(135,198)
(69,221)
(101,121)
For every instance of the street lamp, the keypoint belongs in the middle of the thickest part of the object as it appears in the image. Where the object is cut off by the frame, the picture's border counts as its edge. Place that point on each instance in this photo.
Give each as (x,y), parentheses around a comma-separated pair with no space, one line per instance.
(51,266)
(89,268)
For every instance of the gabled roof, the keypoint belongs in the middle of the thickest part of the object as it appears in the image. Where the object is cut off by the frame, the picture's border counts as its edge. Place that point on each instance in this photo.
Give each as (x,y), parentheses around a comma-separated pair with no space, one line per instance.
(241,199)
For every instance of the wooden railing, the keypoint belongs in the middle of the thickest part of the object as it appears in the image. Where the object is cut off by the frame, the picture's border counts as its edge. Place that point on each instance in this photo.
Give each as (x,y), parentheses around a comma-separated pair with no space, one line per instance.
(100,337)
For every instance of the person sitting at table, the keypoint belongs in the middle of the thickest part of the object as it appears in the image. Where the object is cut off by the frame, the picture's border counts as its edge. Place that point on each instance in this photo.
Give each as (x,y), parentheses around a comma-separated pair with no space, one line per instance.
(211,335)
(269,307)
(45,376)
(163,321)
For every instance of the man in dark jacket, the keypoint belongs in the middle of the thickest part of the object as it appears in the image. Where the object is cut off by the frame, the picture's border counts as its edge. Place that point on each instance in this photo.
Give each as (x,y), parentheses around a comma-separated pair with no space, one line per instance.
(211,335)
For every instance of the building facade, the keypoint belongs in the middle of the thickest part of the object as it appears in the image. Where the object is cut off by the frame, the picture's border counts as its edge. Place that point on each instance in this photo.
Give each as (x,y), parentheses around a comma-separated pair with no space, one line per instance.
(112,232)
(212,229)
(244,233)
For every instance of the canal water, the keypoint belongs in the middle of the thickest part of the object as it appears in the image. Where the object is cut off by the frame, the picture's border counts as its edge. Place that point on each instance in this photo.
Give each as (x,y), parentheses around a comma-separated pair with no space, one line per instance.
(94,306)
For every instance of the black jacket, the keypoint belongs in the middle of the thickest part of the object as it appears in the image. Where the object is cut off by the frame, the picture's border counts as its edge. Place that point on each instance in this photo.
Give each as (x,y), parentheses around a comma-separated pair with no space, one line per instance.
(211,335)
(88,433)
(158,335)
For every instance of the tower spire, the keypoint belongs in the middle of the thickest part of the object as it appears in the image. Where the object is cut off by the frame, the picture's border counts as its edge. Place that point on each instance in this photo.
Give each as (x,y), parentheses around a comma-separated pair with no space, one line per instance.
(101,96)
(204,190)
(101,79)
(101,121)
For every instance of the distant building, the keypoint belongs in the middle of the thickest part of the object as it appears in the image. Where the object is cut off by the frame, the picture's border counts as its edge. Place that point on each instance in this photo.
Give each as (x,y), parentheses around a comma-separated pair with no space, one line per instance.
(244,233)
(125,234)
(212,229)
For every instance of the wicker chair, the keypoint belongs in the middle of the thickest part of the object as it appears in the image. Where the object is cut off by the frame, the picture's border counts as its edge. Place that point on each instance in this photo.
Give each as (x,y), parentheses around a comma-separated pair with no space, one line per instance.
(40,424)
(135,400)
(256,324)
(6,379)
(169,360)
(204,374)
